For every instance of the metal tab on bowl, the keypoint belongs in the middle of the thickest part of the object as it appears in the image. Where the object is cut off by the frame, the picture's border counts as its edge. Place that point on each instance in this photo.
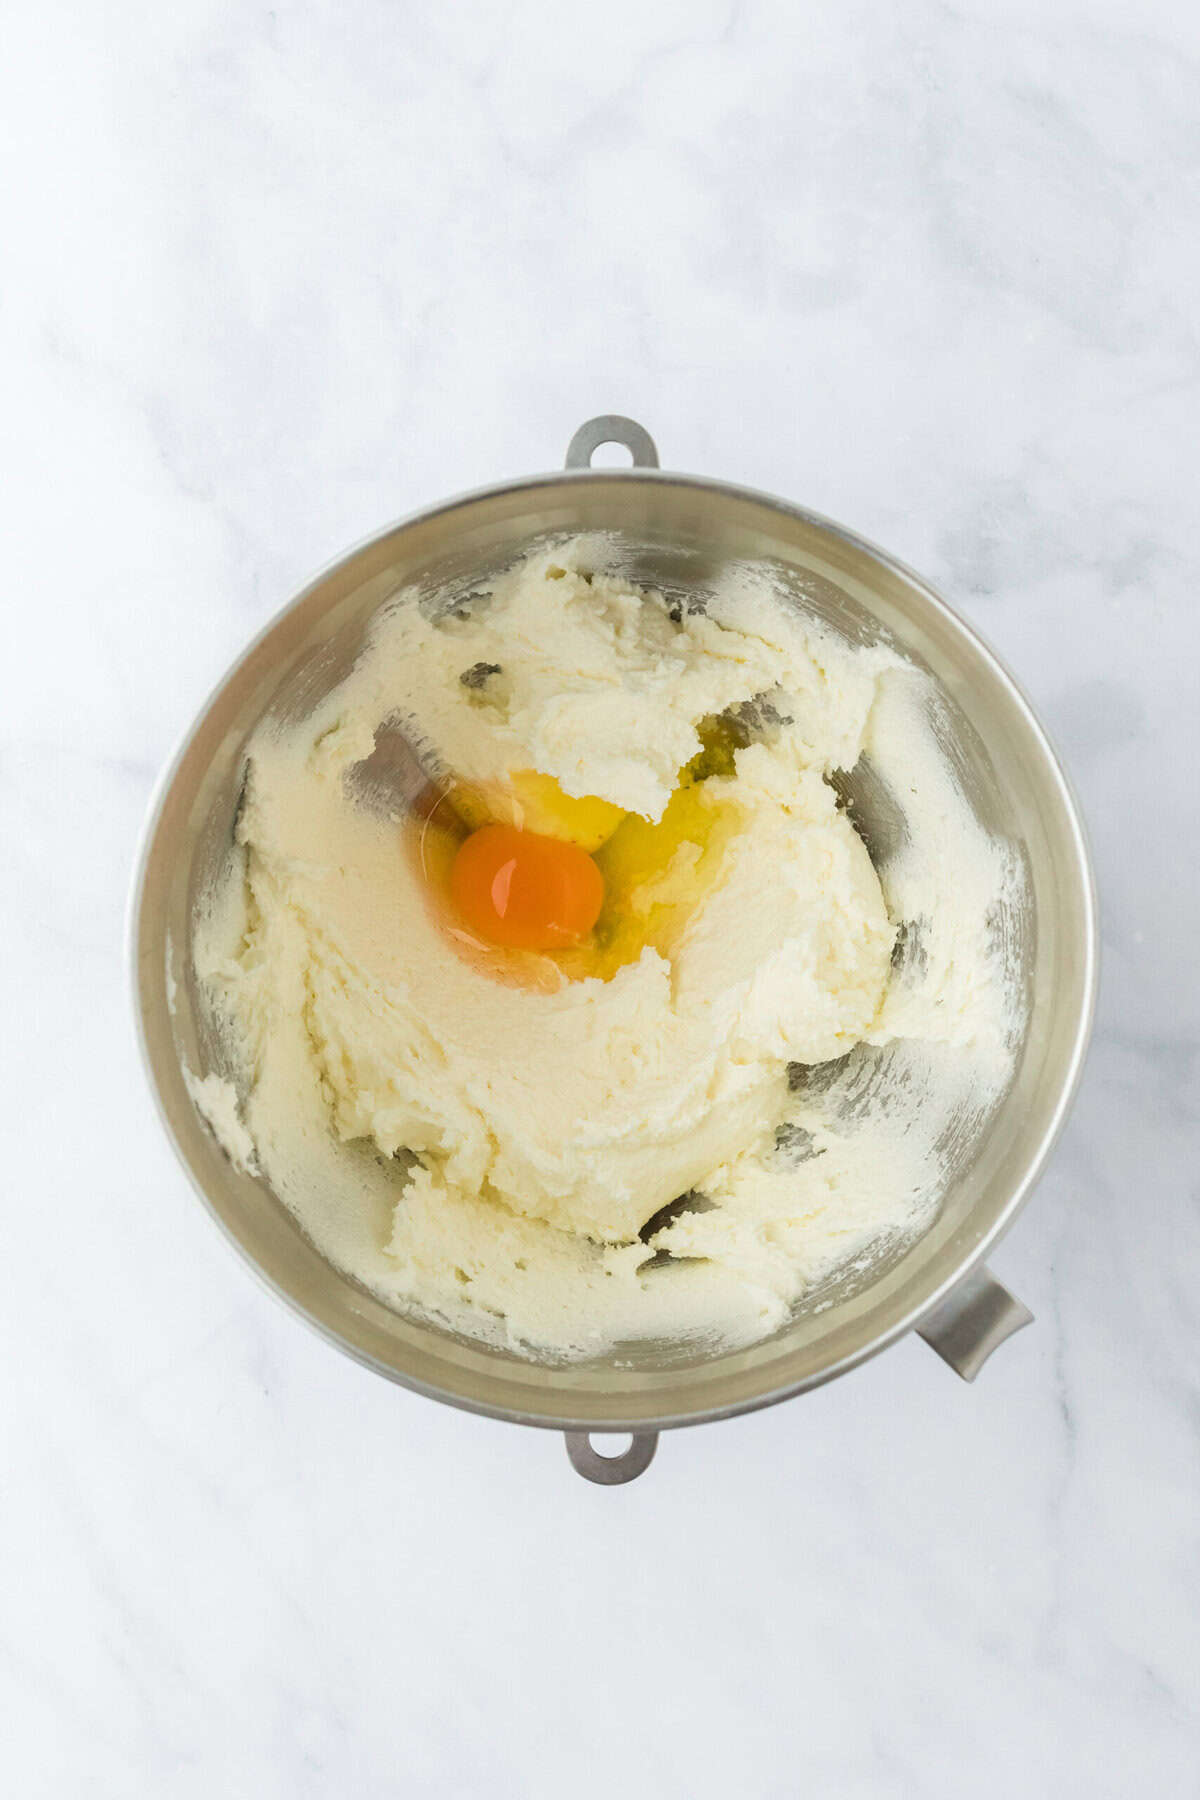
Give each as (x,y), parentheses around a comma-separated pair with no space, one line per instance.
(972,1321)
(609,1471)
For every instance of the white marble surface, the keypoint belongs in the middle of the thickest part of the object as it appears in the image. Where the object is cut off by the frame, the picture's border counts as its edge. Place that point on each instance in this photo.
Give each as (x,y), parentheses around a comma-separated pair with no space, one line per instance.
(276,275)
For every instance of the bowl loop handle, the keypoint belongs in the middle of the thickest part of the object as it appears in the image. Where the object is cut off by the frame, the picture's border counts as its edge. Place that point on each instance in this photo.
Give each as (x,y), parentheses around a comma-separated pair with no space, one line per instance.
(609,1471)
(611,428)
(973,1320)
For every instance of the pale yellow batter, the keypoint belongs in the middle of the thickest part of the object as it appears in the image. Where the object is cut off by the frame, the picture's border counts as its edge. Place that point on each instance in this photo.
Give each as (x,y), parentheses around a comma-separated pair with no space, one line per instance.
(496,1152)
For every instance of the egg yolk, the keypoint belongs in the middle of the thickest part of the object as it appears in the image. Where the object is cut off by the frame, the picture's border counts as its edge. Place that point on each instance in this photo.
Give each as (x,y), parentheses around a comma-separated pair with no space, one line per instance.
(525,891)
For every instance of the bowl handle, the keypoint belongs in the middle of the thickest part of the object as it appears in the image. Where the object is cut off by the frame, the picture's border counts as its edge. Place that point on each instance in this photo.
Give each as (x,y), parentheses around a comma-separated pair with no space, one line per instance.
(973,1320)
(587,1461)
(611,428)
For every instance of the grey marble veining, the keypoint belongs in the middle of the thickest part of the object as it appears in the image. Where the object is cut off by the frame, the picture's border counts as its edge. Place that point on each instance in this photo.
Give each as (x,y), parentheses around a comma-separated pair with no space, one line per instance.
(275,275)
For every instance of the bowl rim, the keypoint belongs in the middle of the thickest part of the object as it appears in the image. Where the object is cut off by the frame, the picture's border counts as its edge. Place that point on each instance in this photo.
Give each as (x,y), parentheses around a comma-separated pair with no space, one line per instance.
(1073,1066)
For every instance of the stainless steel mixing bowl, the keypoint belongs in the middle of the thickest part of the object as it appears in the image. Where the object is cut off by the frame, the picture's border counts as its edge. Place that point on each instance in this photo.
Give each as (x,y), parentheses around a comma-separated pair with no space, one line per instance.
(677,531)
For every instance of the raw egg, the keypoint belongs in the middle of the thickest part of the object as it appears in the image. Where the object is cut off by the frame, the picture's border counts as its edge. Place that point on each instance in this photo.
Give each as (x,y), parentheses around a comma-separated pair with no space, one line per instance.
(537,885)
(535,802)
(524,891)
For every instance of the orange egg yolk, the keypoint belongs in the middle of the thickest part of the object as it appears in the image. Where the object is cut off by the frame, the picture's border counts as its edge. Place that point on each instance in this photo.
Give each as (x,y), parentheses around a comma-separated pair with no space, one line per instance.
(525,891)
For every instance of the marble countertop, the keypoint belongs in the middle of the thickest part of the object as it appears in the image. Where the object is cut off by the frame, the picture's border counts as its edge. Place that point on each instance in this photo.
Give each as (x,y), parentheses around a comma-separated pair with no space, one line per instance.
(277,274)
